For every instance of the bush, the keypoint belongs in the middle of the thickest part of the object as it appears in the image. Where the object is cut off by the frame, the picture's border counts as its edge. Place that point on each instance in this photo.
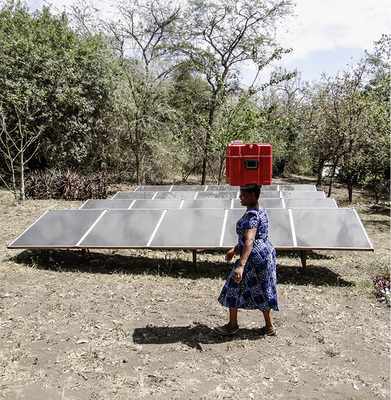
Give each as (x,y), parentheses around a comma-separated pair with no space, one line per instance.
(382,287)
(68,185)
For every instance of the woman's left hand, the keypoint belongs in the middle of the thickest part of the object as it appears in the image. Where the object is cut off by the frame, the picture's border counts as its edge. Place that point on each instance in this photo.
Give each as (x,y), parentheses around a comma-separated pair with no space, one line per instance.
(238,274)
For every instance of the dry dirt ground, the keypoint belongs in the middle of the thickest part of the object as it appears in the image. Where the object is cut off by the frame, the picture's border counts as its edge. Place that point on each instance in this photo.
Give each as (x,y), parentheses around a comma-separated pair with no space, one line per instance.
(138,324)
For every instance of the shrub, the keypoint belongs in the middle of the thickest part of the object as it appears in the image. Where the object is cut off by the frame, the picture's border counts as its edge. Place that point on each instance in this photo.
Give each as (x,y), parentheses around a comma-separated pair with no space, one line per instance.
(382,287)
(68,185)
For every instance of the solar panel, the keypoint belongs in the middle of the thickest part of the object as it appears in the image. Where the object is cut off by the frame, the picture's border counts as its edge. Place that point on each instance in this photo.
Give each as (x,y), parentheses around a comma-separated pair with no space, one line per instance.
(198,217)
(207,203)
(226,194)
(269,187)
(270,194)
(219,194)
(57,229)
(214,188)
(122,228)
(154,188)
(192,228)
(330,229)
(264,202)
(156,204)
(193,188)
(320,202)
(289,188)
(101,204)
(302,194)
(280,230)
(111,204)
(187,229)
(176,195)
(149,194)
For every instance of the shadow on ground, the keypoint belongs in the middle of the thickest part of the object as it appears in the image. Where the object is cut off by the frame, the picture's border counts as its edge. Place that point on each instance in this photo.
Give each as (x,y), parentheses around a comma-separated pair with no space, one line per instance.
(192,336)
(112,263)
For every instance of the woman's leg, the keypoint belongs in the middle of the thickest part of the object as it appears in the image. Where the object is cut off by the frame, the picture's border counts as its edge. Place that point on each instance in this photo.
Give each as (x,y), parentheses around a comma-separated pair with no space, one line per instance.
(233,318)
(268,320)
(232,327)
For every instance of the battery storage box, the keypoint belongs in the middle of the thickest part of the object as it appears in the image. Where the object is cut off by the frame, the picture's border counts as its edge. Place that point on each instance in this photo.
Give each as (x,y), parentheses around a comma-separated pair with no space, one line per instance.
(248,163)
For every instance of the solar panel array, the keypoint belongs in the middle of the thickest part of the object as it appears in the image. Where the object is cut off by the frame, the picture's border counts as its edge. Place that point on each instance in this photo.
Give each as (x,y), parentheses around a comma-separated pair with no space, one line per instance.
(197,217)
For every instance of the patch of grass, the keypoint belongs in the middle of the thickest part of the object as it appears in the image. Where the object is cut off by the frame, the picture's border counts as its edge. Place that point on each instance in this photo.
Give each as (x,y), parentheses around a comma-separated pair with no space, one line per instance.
(332,352)
(365,284)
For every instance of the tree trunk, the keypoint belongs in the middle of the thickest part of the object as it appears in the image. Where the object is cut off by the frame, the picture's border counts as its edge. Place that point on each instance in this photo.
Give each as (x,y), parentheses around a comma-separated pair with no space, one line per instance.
(138,168)
(350,187)
(22,194)
(204,162)
(320,173)
(221,169)
(208,137)
(331,181)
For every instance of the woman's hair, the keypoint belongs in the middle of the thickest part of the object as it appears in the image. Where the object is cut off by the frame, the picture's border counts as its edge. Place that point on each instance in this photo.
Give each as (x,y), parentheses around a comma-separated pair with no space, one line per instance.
(252,188)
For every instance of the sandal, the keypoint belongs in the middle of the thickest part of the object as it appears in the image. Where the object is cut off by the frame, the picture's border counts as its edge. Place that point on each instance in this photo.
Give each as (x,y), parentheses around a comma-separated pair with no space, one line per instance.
(262,331)
(225,330)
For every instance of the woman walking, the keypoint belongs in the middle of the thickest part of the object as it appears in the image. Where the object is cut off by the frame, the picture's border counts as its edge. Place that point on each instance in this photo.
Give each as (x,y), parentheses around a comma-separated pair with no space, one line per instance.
(252,282)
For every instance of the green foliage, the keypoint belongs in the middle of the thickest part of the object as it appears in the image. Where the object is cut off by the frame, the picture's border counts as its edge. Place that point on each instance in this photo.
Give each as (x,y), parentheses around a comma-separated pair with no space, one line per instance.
(349,127)
(142,110)
(55,92)
(217,38)
(375,174)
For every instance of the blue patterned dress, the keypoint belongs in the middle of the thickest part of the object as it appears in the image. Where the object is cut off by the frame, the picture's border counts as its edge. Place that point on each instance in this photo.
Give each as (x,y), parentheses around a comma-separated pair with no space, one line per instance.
(257,289)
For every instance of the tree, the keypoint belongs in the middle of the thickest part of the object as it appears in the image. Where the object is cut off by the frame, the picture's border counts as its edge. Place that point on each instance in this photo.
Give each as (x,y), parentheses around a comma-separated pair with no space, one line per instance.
(24,110)
(54,90)
(342,128)
(376,172)
(138,38)
(283,107)
(218,38)
(84,82)
(188,96)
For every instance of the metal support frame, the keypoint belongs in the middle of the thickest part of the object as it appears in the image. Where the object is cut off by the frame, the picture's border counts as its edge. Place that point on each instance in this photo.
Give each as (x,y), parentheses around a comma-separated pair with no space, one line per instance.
(194,259)
(303,256)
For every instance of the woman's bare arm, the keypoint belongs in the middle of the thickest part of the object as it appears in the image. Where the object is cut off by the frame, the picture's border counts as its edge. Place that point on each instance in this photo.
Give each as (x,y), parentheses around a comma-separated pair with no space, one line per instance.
(248,245)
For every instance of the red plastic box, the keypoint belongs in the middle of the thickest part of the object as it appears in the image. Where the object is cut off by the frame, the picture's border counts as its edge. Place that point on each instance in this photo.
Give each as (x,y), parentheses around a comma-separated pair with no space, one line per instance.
(248,163)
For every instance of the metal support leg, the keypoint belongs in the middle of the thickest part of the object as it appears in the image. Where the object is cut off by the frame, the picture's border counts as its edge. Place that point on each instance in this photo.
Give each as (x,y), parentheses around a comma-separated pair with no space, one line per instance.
(303,256)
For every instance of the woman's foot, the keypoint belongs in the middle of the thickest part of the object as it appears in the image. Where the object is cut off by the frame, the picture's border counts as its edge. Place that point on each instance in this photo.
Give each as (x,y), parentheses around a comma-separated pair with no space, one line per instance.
(266,331)
(226,329)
